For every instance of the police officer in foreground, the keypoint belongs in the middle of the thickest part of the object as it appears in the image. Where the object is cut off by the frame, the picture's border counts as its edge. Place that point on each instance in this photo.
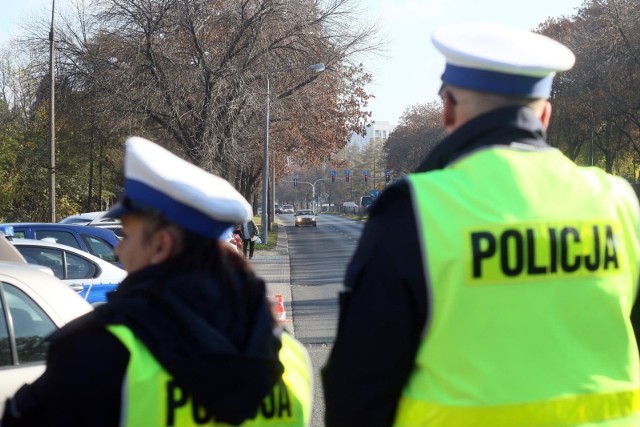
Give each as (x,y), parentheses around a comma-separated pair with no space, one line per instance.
(188,338)
(513,305)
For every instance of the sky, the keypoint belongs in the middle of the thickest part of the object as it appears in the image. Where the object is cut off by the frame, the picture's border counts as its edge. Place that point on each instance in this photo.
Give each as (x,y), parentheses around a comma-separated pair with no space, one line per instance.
(409,71)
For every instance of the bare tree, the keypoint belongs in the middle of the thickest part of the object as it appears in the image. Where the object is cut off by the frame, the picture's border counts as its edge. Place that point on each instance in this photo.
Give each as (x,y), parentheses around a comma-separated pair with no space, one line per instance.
(194,73)
(420,130)
(597,116)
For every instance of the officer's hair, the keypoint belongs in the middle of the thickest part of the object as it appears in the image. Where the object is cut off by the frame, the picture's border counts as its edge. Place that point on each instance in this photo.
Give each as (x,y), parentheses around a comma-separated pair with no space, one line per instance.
(205,258)
(201,249)
(154,222)
(483,101)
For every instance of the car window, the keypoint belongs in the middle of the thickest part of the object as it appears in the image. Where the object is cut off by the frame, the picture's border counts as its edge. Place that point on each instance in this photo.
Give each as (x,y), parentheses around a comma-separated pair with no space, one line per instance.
(49,257)
(99,247)
(19,235)
(62,237)
(79,267)
(30,325)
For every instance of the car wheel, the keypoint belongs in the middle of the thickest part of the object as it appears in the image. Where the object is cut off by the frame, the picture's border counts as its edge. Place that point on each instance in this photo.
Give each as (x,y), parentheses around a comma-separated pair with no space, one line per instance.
(315,225)
(296,225)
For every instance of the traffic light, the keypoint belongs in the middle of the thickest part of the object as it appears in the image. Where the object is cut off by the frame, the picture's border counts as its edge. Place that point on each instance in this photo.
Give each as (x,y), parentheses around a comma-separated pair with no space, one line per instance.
(333,178)
(346,177)
(366,178)
(387,178)
(295,182)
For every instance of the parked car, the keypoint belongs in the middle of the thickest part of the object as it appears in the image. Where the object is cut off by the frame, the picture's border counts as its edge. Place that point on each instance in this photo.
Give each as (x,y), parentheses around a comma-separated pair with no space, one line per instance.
(97,241)
(287,209)
(82,218)
(34,304)
(88,275)
(305,217)
(95,219)
(109,224)
(278,209)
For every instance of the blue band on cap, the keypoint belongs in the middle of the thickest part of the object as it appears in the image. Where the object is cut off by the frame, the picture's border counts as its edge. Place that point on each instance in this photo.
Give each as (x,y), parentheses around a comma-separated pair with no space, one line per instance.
(185,216)
(496,82)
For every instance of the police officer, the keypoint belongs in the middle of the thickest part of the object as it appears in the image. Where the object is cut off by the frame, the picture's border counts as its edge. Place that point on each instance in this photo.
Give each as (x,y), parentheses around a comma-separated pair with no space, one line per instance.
(188,338)
(513,304)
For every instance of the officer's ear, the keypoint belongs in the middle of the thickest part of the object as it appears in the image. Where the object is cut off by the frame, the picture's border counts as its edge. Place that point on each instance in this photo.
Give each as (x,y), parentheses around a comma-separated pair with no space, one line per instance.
(545,115)
(449,111)
(165,245)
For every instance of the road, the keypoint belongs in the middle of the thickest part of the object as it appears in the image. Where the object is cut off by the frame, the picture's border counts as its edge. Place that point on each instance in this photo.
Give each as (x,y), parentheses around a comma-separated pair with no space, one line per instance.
(319,257)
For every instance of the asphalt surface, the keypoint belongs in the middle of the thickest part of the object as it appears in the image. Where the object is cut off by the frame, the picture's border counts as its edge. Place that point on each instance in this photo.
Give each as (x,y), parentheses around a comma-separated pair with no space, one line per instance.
(275,269)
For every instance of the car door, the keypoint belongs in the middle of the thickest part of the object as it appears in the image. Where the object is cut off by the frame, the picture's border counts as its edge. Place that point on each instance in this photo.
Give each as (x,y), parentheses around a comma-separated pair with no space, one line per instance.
(92,244)
(74,270)
(23,350)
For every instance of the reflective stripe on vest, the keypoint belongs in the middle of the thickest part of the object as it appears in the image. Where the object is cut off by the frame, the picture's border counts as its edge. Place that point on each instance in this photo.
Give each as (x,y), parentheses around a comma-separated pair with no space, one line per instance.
(532,270)
(150,397)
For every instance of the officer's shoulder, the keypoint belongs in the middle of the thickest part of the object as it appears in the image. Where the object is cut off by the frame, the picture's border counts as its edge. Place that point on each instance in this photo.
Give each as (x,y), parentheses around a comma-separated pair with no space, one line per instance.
(86,323)
(394,195)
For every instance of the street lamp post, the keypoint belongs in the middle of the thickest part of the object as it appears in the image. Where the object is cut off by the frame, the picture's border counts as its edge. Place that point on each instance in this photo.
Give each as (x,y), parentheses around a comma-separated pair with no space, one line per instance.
(265,163)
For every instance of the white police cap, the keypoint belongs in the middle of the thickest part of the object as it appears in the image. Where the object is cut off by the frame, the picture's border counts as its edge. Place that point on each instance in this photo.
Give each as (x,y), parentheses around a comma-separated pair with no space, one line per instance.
(497,59)
(158,181)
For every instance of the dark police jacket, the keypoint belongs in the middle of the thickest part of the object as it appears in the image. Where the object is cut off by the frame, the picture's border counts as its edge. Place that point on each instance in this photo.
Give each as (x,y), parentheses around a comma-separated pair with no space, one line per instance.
(385,306)
(214,337)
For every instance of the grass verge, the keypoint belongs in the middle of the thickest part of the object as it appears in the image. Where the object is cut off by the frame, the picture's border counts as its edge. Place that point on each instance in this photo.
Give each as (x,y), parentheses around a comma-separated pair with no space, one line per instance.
(272,235)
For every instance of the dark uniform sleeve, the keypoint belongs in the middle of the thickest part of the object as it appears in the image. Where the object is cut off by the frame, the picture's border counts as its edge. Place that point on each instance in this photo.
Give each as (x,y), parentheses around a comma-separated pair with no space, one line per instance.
(382,314)
(80,387)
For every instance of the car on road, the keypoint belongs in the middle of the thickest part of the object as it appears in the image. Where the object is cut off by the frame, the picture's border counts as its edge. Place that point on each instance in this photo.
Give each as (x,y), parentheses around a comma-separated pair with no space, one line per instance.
(34,304)
(97,241)
(349,207)
(287,209)
(88,275)
(305,217)
(278,209)
(366,201)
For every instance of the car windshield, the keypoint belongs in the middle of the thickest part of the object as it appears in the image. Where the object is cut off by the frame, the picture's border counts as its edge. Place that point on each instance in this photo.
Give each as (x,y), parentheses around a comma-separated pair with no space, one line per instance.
(305,212)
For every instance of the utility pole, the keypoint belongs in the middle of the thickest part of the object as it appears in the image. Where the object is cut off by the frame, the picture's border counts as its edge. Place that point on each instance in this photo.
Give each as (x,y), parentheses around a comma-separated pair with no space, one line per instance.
(52,120)
(265,170)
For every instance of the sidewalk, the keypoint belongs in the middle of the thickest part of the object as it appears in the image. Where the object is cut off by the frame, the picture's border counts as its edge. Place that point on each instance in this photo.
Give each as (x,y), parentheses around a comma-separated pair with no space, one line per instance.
(274,268)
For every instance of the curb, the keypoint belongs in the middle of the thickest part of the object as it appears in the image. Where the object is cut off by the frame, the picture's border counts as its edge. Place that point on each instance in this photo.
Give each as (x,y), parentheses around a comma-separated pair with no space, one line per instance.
(273,266)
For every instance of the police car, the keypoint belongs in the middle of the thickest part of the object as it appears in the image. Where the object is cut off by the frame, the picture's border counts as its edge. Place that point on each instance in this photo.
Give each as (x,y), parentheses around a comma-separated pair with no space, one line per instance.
(97,241)
(88,275)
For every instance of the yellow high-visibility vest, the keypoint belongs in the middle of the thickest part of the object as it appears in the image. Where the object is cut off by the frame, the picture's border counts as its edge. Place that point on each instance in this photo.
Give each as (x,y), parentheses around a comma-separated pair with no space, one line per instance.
(531,265)
(151,398)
